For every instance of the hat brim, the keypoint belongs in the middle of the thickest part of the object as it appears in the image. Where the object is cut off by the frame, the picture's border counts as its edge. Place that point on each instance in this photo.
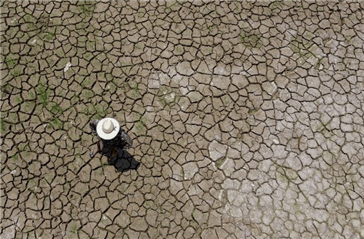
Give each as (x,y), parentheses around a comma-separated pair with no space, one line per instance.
(113,133)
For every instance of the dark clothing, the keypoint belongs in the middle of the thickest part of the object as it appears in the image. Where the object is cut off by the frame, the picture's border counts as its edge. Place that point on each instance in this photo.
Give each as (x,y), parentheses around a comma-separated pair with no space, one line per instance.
(122,140)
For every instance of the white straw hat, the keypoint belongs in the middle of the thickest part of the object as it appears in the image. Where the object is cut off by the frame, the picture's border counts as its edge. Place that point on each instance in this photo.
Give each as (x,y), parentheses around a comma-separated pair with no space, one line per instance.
(108,128)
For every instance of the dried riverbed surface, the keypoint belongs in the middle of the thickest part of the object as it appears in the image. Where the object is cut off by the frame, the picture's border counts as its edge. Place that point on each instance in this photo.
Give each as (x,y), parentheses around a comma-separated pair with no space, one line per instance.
(247,119)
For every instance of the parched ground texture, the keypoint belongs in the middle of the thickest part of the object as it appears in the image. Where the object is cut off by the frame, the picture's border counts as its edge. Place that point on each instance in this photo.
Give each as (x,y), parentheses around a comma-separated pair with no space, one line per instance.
(247,119)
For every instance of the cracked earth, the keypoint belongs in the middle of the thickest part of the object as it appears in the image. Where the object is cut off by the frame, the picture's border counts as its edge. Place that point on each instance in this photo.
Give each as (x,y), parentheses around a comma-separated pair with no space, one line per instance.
(246,117)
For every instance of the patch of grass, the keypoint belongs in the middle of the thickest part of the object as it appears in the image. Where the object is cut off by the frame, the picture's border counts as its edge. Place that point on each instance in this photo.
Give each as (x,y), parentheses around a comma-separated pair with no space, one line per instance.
(301,47)
(134,89)
(140,13)
(226,100)
(179,49)
(3,125)
(43,94)
(87,9)
(88,94)
(86,82)
(56,109)
(11,61)
(57,124)
(99,113)
(32,95)
(15,157)
(87,56)
(141,124)
(15,72)
(251,38)
(139,127)
(167,97)
(96,111)
(49,36)
(23,147)
(73,229)
(348,39)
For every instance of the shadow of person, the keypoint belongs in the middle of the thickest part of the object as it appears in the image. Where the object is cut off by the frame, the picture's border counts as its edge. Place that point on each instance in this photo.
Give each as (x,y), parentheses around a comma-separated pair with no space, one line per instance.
(120,158)
(125,162)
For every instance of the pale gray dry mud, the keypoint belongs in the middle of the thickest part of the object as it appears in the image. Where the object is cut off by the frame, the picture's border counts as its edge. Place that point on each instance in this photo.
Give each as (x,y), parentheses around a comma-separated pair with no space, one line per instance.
(247,119)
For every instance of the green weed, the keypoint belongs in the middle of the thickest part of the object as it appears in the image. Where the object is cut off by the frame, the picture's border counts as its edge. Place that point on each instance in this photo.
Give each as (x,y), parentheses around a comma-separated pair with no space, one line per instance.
(56,123)
(140,13)
(32,95)
(251,39)
(23,147)
(15,157)
(15,73)
(301,47)
(43,94)
(86,82)
(73,229)
(3,125)
(56,109)
(99,113)
(88,94)
(87,9)
(49,36)
(139,127)
(11,62)
(88,55)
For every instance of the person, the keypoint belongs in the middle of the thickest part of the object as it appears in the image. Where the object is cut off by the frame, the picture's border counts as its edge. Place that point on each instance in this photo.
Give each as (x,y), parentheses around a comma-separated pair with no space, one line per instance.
(112,137)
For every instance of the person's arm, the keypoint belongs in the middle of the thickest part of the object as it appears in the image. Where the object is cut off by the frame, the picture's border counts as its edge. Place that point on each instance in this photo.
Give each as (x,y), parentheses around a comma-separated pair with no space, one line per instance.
(93,125)
(125,138)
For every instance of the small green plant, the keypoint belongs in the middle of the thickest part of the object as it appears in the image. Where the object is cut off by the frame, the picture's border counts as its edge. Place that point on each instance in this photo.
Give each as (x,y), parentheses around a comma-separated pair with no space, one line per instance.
(3,126)
(88,55)
(86,82)
(18,99)
(11,61)
(251,39)
(73,229)
(23,147)
(43,94)
(57,123)
(301,47)
(88,94)
(98,112)
(141,13)
(136,89)
(226,100)
(15,72)
(56,109)
(15,157)
(179,49)
(49,36)
(32,96)
(87,9)
(139,127)
(348,39)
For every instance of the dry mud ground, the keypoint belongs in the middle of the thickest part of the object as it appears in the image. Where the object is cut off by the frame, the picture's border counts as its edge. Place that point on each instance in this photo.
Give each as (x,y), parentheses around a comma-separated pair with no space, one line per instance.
(247,119)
